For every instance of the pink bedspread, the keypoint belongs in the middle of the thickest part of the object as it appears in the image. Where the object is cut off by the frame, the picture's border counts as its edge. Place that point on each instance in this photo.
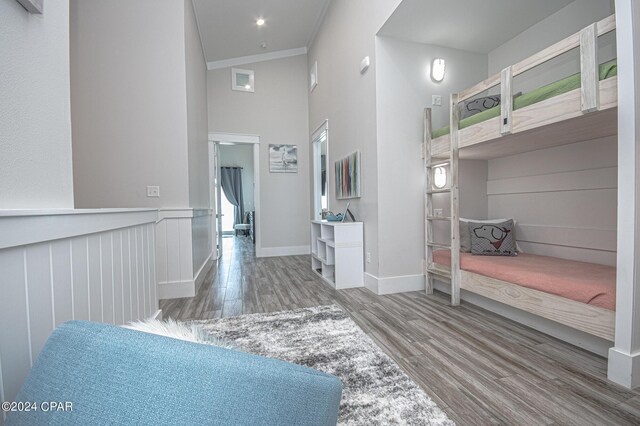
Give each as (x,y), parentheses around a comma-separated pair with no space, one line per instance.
(584,282)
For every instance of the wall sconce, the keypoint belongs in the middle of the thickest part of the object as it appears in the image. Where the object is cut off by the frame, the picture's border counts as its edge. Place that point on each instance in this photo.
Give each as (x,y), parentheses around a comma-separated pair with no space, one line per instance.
(437,70)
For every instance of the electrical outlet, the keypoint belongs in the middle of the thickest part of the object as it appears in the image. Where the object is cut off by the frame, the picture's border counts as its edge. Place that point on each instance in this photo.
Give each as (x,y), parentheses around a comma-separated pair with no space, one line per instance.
(436,100)
(153,191)
(368,257)
(437,212)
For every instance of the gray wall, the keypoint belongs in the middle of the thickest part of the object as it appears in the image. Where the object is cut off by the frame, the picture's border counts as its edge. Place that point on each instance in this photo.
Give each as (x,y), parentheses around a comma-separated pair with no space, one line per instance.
(35,121)
(278,112)
(403,90)
(129,103)
(240,156)
(347,99)
(564,198)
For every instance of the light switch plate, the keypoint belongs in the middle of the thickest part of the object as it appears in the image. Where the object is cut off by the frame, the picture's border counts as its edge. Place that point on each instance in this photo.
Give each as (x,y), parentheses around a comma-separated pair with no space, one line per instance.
(436,100)
(153,191)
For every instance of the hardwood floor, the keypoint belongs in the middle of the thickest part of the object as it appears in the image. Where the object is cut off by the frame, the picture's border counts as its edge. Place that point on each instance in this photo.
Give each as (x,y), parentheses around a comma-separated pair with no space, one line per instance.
(477,366)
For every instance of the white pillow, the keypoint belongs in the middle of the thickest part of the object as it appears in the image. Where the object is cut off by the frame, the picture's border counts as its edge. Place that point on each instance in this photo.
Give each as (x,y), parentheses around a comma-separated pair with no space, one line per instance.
(465,235)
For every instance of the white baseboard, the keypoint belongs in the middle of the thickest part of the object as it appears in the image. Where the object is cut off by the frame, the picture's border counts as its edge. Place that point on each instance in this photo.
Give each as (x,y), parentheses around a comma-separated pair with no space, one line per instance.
(624,368)
(391,285)
(176,289)
(282,251)
(575,337)
(203,271)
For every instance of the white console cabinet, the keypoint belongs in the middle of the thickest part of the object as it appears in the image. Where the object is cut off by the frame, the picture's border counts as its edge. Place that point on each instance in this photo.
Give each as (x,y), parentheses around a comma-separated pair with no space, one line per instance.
(336,253)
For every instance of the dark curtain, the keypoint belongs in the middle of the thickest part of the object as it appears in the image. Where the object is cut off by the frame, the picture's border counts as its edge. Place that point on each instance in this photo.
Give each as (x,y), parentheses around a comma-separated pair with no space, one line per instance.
(232,187)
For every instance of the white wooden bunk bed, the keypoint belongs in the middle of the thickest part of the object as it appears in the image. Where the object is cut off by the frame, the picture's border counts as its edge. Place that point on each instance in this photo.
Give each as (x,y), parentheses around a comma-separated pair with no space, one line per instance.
(585,113)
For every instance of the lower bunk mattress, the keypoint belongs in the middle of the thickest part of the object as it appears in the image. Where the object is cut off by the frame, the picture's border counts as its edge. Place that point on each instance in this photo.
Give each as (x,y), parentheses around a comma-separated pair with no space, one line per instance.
(580,281)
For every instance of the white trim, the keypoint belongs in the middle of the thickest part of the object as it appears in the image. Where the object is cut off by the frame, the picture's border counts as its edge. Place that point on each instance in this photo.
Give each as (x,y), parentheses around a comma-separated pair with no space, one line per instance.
(321,128)
(233,138)
(624,368)
(252,59)
(195,13)
(45,225)
(203,271)
(176,289)
(282,251)
(174,214)
(392,285)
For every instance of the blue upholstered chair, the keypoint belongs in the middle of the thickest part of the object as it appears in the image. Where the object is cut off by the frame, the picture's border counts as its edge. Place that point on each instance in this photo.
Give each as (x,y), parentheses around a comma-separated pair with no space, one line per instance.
(113,375)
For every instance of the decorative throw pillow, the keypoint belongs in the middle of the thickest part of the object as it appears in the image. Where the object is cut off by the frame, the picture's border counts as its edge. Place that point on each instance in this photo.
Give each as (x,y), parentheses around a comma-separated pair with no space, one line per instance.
(492,239)
(477,105)
(465,235)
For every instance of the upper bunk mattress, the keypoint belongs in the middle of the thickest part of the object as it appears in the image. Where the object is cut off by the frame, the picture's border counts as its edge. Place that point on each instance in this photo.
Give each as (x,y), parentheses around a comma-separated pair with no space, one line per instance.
(580,281)
(607,70)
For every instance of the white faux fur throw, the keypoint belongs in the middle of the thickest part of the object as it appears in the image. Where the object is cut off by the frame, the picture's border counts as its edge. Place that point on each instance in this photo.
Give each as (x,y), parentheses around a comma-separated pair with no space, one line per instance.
(178,330)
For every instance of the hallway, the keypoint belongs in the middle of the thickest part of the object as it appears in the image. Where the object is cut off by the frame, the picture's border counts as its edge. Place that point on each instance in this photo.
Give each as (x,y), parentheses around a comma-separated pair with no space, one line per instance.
(478,367)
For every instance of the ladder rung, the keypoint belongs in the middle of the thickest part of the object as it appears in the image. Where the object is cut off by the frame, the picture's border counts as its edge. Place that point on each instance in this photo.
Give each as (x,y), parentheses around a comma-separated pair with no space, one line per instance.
(439,272)
(438,245)
(439,191)
(439,163)
(438,218)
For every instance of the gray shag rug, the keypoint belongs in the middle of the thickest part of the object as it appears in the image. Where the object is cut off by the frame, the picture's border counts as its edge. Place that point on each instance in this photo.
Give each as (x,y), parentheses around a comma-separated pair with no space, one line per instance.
(375,390)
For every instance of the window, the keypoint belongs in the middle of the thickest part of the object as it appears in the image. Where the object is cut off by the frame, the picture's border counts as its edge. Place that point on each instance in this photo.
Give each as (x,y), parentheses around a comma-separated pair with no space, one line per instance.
(242,80)
(439,177)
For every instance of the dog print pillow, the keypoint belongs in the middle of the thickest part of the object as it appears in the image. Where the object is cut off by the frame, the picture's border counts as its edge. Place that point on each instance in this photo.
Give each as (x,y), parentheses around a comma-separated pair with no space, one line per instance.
(493,239)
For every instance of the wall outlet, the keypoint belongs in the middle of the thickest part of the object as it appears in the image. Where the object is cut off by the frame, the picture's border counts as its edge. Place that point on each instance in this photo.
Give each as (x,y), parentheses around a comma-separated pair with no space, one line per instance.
(153,191)
(437,212)
(368,257)
(436,100)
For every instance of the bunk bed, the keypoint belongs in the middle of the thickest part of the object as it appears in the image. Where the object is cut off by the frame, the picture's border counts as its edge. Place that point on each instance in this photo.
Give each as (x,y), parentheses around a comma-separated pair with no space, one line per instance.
(578,108)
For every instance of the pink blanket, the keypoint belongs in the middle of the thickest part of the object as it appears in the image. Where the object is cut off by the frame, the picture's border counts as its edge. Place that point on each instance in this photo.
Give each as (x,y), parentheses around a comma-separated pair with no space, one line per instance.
(584,282)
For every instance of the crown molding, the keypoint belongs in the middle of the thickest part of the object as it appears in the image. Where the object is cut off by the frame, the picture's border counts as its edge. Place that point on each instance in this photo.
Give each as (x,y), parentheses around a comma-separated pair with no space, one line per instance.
(242,60)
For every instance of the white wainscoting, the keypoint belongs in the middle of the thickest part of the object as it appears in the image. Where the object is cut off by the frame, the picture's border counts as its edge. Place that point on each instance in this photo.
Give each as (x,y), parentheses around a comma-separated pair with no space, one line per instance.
(179,271)
(63,265)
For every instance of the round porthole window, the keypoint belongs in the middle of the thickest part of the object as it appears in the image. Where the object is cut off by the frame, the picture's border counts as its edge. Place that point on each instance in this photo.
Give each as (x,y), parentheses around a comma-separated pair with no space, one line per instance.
(439,177)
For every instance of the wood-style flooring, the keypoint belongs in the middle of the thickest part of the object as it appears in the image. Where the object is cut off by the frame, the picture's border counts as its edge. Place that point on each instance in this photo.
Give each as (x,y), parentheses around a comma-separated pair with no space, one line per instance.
(480,368)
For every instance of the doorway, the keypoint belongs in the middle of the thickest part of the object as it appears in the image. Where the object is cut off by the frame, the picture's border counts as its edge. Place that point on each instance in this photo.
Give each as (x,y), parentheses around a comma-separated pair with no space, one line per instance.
(238,154)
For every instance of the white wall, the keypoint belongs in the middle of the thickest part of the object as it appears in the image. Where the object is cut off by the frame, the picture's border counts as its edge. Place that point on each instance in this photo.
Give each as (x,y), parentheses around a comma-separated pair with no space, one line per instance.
(35,121)
(240,156)
(564,198)
(403,90)
(129,103)
(278,112)
(556,27)
(347,99)
(200,192)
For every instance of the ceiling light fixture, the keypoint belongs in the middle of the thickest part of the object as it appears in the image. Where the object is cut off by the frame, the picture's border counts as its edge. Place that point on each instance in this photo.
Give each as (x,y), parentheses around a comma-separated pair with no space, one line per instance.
(260,22)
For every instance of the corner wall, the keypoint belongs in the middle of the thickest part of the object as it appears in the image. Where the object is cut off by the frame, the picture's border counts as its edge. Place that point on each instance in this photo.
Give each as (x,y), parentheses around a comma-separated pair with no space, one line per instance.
(348,100)
(403,89)
(35,119)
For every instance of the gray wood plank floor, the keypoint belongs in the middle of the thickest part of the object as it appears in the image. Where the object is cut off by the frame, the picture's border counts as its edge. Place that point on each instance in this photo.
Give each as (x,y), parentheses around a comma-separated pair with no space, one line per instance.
(477,366)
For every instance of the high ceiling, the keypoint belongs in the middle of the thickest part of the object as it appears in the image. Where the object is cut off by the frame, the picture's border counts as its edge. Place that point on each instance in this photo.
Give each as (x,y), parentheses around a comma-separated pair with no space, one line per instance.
(473,25)
(228,27)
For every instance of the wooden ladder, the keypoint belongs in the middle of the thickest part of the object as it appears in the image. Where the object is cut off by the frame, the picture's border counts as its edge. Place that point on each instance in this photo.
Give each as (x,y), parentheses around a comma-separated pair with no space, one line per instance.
(433,270)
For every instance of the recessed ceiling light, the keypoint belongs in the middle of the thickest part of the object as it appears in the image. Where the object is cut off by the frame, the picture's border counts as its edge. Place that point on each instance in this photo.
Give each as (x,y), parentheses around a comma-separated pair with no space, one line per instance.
(260,22)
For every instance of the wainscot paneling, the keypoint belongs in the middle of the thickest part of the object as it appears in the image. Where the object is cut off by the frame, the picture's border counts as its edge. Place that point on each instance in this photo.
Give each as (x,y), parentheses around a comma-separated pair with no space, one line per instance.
(70,265)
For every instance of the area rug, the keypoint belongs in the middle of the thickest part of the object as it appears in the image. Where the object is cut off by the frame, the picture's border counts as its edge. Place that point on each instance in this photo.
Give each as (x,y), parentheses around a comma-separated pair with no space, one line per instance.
(375,390)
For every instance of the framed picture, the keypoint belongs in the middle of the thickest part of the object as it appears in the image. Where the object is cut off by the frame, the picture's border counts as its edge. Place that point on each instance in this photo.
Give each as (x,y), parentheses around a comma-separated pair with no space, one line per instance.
(283,158)
(348,176)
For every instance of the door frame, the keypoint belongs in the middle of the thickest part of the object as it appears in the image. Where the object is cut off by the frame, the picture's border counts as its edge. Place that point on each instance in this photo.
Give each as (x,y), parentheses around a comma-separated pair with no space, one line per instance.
(316,157)
(217,138)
